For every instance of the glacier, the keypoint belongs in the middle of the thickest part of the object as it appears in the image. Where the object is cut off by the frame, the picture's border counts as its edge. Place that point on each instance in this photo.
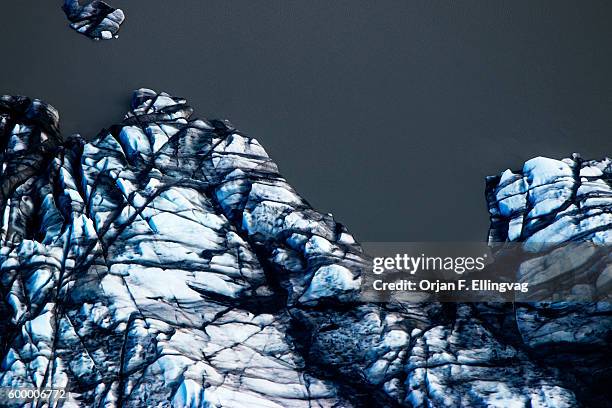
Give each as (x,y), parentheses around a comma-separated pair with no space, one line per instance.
(166,262)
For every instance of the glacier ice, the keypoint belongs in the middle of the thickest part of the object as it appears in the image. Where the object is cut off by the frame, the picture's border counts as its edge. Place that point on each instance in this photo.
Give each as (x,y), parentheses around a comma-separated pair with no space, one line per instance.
(167,263)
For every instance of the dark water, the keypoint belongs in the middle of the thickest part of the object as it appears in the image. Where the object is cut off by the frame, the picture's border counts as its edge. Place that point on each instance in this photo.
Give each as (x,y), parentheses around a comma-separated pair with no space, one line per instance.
(387,113)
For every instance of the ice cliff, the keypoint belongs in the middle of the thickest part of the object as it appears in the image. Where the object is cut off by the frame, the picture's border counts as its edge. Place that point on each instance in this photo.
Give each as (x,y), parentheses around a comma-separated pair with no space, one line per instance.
(166,262)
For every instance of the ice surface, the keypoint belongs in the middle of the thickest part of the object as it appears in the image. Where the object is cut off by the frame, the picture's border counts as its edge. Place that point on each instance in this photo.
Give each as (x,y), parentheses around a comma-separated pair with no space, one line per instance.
(168,263)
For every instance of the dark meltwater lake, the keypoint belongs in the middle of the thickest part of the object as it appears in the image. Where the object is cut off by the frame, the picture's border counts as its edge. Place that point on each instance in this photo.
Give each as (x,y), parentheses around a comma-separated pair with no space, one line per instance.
(388,114)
